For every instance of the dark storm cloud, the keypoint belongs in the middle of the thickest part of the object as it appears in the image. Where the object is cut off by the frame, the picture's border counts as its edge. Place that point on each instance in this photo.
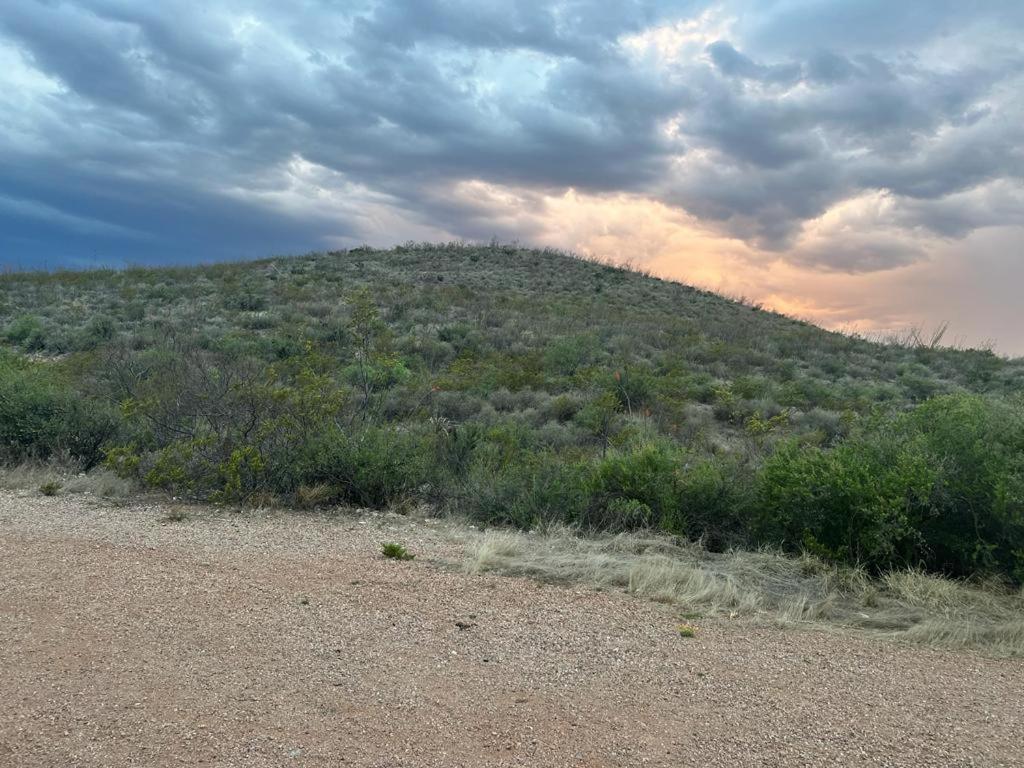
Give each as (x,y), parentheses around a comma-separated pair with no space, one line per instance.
(188,131)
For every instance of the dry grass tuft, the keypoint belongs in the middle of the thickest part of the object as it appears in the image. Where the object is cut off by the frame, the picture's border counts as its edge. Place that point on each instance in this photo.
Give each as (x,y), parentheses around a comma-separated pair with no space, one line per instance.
(67,478)
(765,587)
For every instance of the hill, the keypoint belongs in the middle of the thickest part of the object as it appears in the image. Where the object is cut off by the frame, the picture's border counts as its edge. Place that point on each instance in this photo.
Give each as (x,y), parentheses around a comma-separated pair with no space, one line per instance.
(522,387)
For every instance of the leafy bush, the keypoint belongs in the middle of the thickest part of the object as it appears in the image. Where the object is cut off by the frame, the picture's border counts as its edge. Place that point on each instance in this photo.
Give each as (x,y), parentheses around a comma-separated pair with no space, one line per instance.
(976,514)
(860,502)
(636,489)
(941,486)
(715,498)
(41,416)
(28,332)
(50,488)
(372,467)
(535,492)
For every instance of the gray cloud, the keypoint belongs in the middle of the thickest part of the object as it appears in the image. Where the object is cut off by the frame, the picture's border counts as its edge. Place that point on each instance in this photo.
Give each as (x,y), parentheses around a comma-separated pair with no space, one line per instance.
(179,122)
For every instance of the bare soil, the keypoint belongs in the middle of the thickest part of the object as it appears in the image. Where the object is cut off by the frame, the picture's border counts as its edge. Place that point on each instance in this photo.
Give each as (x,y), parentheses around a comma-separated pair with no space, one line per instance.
(287,640)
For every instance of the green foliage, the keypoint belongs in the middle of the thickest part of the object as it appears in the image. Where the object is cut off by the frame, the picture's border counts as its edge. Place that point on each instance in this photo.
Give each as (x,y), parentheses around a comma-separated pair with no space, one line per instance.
(519,387)
(536,491)
(636,489)
(371,467)
(940,486)
(50,488)
(28,332)
(600,417)
(715,500)
(394,551)
(976,513)
(687,631)
(99,330)
(41,416)
(856,503)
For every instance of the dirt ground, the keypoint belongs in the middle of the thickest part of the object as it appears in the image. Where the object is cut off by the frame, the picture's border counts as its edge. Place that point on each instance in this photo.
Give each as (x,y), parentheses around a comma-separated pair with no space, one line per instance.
(286,640)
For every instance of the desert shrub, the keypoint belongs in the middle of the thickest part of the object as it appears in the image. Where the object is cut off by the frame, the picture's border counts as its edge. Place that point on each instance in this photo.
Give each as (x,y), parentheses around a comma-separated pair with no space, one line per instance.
(41,416)
(394,551)
(555,435)
(601,418)
(456,406)
(220,424)
(714,502)
(940,487)
(379,374)
(564,357)
(537,491)
(856,503)
(50,488)
(751,387)
(633,388)
(460,337)
(831,426)
(245,300)
(372,467)
(28,332)
(455,446)
(976,515)
(635,489)
(98,330)
(561,408)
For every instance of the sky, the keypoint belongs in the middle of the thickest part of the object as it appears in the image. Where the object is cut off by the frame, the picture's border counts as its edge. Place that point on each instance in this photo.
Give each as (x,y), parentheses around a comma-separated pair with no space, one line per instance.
(856,163)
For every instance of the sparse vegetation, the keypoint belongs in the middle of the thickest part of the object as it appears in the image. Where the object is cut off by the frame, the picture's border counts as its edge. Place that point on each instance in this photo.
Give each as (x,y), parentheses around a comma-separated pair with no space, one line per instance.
(394,551)
(765,587)
(67,477)
(50,488)
(521,388)
(175,515)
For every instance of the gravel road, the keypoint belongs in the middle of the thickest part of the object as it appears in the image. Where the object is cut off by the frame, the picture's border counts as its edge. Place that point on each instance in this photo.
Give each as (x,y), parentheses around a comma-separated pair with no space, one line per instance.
(286,640)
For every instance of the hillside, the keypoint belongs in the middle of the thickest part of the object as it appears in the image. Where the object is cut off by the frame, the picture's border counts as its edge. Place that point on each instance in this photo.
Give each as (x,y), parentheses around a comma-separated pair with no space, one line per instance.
(548,311)
(523,387)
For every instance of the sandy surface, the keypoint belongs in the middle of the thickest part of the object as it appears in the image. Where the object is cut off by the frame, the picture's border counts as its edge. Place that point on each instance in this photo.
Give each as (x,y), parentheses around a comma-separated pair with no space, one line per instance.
(282,640)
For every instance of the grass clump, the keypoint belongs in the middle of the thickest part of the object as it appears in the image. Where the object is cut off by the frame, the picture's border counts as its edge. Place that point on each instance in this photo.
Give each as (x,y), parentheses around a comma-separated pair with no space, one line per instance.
(175,515)
(394,551)
(765,587)
(60,474)
(687,631)
(50,488)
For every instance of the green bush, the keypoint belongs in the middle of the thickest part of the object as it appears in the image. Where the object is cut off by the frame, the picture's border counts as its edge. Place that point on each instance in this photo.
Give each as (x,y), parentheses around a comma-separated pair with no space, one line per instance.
(636,489)
(534,491)
(394,551)
(715,497)
(371,467)
(860,502)
(976,514)
(41,416)
(940,487)
(28,332)
(98,330)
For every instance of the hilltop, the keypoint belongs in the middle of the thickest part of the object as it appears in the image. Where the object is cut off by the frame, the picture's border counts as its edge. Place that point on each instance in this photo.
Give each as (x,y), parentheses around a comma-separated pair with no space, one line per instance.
(548,310)
(520,387)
